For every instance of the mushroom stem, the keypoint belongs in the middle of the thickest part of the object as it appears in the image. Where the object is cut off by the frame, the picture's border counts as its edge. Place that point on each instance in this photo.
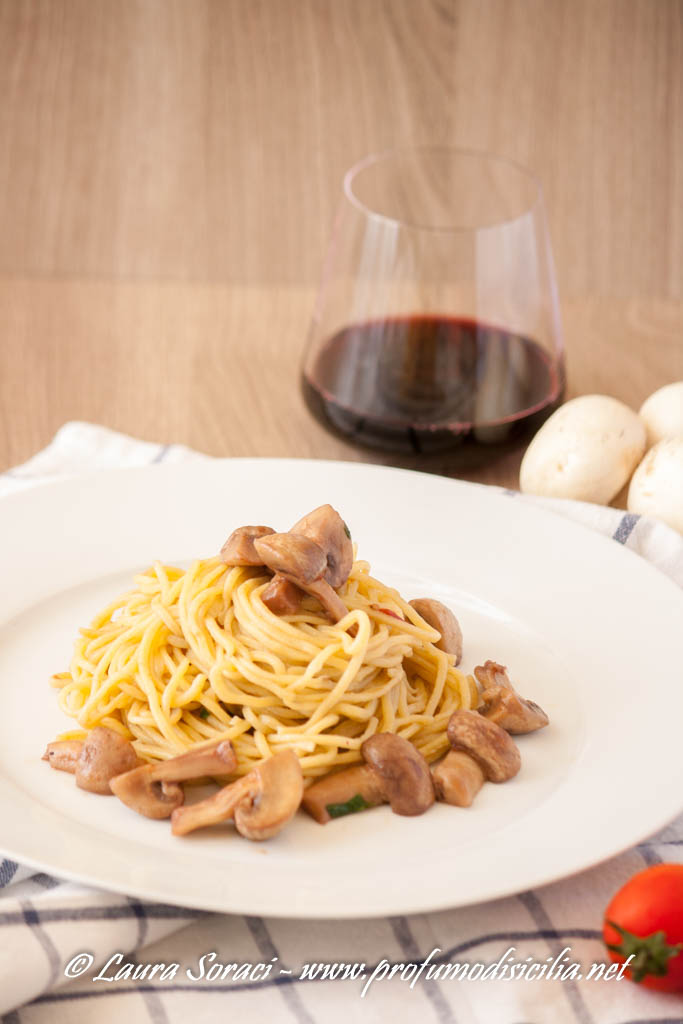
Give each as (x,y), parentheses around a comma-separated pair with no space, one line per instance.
(219,807)
(457,779)
(63,755)
(261,803)
(281,596)
(153,789)
(217,759)
(329,599)
(343,793)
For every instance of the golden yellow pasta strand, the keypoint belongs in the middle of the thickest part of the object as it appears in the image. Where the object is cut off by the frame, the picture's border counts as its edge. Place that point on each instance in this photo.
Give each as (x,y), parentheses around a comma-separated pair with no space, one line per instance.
(192,655)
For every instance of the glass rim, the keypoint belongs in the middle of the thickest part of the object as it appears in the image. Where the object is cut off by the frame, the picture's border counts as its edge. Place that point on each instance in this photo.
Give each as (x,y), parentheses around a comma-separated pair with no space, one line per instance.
(384,155)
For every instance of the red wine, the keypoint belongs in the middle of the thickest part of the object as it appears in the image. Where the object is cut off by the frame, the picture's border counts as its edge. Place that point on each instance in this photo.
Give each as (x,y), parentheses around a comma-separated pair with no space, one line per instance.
(425,383)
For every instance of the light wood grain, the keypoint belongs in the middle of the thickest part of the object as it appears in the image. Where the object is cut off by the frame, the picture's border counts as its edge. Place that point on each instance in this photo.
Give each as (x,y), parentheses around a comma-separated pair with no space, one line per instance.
(169,171)
(217,367)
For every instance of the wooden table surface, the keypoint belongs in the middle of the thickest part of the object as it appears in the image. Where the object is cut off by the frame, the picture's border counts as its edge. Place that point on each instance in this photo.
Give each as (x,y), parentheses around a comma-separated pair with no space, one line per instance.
(169,171)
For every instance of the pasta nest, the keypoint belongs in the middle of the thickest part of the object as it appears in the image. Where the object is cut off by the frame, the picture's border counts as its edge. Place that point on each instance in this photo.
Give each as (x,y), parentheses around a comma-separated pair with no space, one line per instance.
(191,656)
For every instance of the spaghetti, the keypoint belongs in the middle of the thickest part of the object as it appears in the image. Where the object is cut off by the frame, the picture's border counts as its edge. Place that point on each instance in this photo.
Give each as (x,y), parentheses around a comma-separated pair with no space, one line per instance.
(192,656)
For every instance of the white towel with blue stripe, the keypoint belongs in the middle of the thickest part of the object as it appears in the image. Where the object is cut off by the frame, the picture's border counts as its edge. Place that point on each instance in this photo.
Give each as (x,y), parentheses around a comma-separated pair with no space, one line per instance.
(45,923)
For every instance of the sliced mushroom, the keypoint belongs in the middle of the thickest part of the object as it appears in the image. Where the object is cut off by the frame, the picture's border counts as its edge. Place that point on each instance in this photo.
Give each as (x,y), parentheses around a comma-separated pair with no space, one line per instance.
(261,803)
(315,556)
(296,557)
(503,705)
(95,760)
(301,561)
(485,742)
(239,547)
(153,790)
(329,531)
(151,799)
(281,596)
(103,755)
(63,754)
(273,798)
(395,772)
(457,779)
(442,618)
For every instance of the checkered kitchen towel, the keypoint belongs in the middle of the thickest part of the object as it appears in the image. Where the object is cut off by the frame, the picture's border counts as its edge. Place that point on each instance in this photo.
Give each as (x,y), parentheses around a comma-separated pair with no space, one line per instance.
(47,924)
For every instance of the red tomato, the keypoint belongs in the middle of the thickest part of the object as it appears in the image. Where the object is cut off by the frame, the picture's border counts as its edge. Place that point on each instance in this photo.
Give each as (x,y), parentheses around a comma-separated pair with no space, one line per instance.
(645,918)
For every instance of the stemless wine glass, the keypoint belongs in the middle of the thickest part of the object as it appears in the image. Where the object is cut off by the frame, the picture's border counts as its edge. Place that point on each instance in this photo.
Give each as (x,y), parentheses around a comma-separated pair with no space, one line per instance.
(437,319)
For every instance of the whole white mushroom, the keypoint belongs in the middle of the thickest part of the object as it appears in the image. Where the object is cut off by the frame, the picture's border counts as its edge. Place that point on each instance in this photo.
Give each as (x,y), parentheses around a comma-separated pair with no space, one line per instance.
(662,413)
(657,485)
(587,450)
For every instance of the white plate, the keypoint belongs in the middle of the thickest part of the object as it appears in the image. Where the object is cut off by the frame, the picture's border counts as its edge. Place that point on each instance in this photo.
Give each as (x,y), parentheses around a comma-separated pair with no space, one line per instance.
(589,630)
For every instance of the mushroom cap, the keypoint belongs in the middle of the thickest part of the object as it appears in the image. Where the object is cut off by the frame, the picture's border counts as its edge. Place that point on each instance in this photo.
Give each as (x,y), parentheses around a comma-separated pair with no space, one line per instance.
(405,776)
(296,557)
(152,799)
(239,547)
(326,527)
(486,742)
(273,797)
(104,754)
(442,618)
(503,705)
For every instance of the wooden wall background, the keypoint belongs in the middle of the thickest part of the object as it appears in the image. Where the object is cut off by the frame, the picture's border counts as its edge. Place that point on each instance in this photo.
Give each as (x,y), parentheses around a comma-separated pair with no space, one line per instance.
(169,171)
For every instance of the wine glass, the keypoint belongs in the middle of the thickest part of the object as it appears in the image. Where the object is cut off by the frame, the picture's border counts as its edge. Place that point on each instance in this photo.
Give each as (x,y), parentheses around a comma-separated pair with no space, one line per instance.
(437,319)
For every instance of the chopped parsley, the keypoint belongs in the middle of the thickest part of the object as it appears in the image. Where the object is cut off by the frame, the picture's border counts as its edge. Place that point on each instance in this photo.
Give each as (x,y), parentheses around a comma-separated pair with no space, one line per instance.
(356,803)
(204,713)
